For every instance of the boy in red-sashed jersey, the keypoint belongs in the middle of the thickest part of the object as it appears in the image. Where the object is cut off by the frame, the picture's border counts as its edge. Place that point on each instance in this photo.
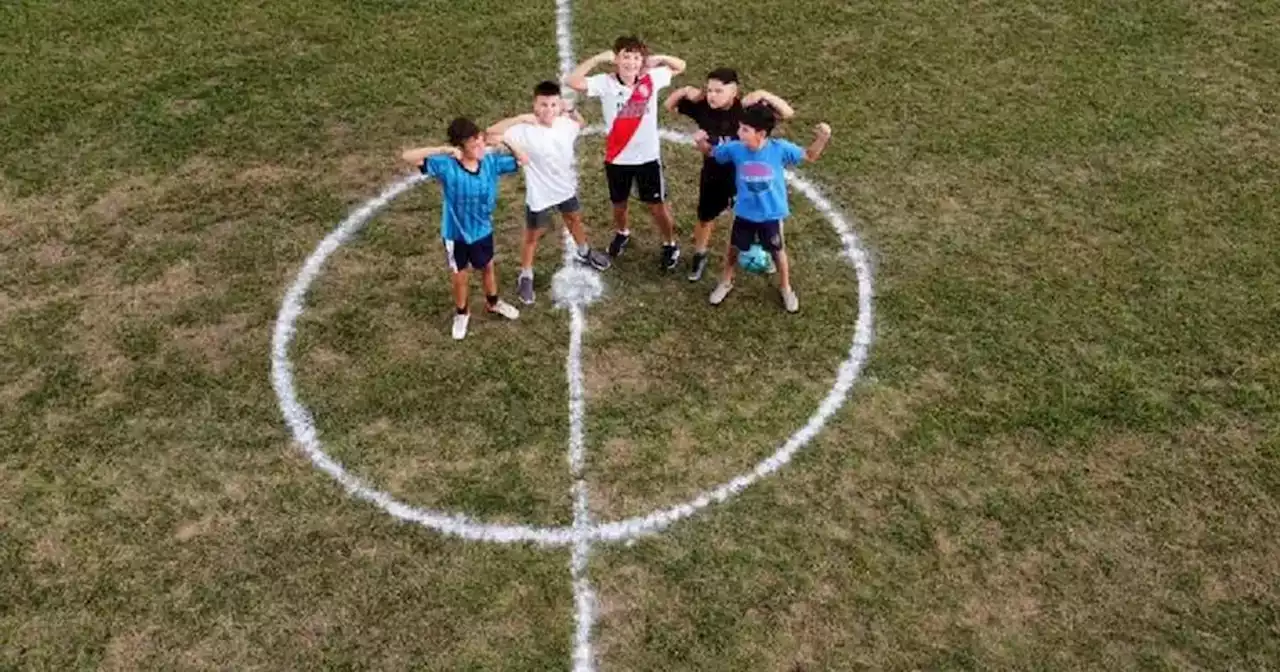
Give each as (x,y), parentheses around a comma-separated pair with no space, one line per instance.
(629,102)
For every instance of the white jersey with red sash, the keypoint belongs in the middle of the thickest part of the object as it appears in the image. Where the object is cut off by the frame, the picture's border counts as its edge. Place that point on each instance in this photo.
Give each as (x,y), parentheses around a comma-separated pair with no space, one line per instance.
(630,115)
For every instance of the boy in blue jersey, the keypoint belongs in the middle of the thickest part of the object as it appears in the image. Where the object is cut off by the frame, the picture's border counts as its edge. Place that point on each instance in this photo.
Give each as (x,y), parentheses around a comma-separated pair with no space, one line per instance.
(468,176)
(761,202)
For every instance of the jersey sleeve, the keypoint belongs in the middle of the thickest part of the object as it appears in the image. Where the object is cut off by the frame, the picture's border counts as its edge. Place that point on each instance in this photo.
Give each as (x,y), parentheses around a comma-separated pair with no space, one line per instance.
(688,108)
(792,154)
(661,77)
(436,166)
(596,85)
(725,152)
(503,163)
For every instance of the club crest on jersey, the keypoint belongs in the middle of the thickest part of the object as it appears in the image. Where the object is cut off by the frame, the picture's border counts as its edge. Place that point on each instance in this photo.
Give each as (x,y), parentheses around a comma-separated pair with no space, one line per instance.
(643,91)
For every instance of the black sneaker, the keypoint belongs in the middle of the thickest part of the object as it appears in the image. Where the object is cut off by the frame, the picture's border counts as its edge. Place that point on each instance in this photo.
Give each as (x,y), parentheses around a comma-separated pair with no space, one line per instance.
(698,266)
(595,259)
(670,256)
(619,244)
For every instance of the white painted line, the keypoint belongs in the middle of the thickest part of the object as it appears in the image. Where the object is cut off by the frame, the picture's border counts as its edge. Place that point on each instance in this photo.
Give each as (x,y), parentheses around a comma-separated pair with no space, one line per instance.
(577,287)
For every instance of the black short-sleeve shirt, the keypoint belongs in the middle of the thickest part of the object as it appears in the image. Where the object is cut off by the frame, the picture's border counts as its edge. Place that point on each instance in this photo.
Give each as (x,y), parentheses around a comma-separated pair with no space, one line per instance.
(720,125)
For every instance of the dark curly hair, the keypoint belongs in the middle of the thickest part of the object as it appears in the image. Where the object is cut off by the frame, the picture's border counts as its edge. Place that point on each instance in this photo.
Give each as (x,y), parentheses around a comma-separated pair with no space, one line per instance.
(461,130)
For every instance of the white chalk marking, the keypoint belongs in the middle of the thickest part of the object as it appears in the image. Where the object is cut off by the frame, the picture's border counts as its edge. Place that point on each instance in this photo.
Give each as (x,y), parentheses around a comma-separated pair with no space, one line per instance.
(574,288)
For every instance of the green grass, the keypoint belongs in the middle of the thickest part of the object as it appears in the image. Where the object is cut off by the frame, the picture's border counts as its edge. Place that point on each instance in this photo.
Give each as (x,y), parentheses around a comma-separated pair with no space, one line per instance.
(1062,454)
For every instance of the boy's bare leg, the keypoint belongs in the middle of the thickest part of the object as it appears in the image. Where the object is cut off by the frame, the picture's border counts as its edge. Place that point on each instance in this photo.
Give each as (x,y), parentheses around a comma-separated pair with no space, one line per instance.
(529,247)
(702,236)
(489,278)
(784,269)
(460,281)
(726,276)
(730,262)
(620,224)
(666,223)
(573,222)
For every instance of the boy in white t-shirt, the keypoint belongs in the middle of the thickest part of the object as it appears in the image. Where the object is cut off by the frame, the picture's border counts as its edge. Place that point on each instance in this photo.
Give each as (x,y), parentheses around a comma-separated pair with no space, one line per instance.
(629,100)
(547,136)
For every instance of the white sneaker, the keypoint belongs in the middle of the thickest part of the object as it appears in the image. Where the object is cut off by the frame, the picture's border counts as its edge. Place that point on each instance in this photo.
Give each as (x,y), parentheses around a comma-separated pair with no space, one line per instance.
(505,309)
(790,301)
(460,326)
(722,290)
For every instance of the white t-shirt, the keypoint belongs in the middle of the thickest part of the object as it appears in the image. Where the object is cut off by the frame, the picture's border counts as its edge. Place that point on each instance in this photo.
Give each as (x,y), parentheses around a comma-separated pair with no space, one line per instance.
(614,96)
(551,176)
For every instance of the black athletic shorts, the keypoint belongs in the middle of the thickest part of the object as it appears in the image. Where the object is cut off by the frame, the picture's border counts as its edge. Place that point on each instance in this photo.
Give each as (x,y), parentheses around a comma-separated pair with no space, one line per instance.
(647,177)
(462,255)
(716,189)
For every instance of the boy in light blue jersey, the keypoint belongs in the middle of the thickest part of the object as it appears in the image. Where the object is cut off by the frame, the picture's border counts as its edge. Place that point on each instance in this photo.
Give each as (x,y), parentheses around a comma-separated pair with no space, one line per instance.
(761,202)
(468,176)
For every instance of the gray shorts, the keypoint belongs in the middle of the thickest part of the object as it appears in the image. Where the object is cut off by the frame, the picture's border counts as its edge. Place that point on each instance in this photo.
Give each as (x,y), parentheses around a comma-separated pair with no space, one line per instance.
(541,218)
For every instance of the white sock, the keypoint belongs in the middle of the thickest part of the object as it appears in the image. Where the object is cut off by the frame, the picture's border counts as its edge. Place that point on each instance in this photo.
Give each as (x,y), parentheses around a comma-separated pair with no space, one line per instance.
(583,249)
(526,273)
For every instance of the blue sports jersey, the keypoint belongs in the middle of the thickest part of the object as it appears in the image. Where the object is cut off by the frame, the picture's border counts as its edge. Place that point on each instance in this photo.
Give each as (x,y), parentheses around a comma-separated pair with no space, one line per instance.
(469,198)
(760,177)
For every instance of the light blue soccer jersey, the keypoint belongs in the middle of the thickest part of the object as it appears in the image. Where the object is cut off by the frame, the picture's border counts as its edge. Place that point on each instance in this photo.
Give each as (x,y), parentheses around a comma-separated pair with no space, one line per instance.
(469,198)
(760,177)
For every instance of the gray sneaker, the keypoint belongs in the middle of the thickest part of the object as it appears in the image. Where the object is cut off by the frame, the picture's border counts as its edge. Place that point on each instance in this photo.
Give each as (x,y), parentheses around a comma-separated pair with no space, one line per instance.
(595,259)
(524,287)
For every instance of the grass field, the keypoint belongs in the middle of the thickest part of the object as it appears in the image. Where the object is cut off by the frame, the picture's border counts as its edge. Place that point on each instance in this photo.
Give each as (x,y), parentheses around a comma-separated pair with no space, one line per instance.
(1063,453)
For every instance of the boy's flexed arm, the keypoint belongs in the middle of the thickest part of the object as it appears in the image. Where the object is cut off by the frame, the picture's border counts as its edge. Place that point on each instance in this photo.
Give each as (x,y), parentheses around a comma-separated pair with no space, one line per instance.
(577,80)
(689,93)
(417,156)
(780,106)
(677,65)
(517,152)
(822,134)
(495,132)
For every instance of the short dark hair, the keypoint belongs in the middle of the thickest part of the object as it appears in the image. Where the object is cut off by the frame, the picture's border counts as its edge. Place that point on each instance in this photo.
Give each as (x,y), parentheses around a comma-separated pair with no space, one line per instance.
(546,88)
(461,130)
(760,117)
(630,43)
(724,75)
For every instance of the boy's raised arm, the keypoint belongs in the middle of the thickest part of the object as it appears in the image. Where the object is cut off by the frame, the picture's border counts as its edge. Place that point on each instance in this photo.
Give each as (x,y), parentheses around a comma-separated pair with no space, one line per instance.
(690,93)
(780,106)
(677,65)
(822,134)
(417,156)
(577,80)
(495,132)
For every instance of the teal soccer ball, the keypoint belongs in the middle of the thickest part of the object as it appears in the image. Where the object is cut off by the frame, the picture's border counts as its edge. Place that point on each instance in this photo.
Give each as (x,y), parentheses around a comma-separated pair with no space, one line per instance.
(754,260)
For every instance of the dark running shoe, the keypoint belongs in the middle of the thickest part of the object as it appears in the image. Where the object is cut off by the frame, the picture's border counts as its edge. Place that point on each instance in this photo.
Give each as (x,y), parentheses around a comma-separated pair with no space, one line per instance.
(670,256)
(698,267)
(619,244)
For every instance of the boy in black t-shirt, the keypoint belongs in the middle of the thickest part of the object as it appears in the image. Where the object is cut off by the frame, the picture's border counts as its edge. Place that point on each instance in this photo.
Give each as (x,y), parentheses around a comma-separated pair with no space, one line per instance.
(717,110)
